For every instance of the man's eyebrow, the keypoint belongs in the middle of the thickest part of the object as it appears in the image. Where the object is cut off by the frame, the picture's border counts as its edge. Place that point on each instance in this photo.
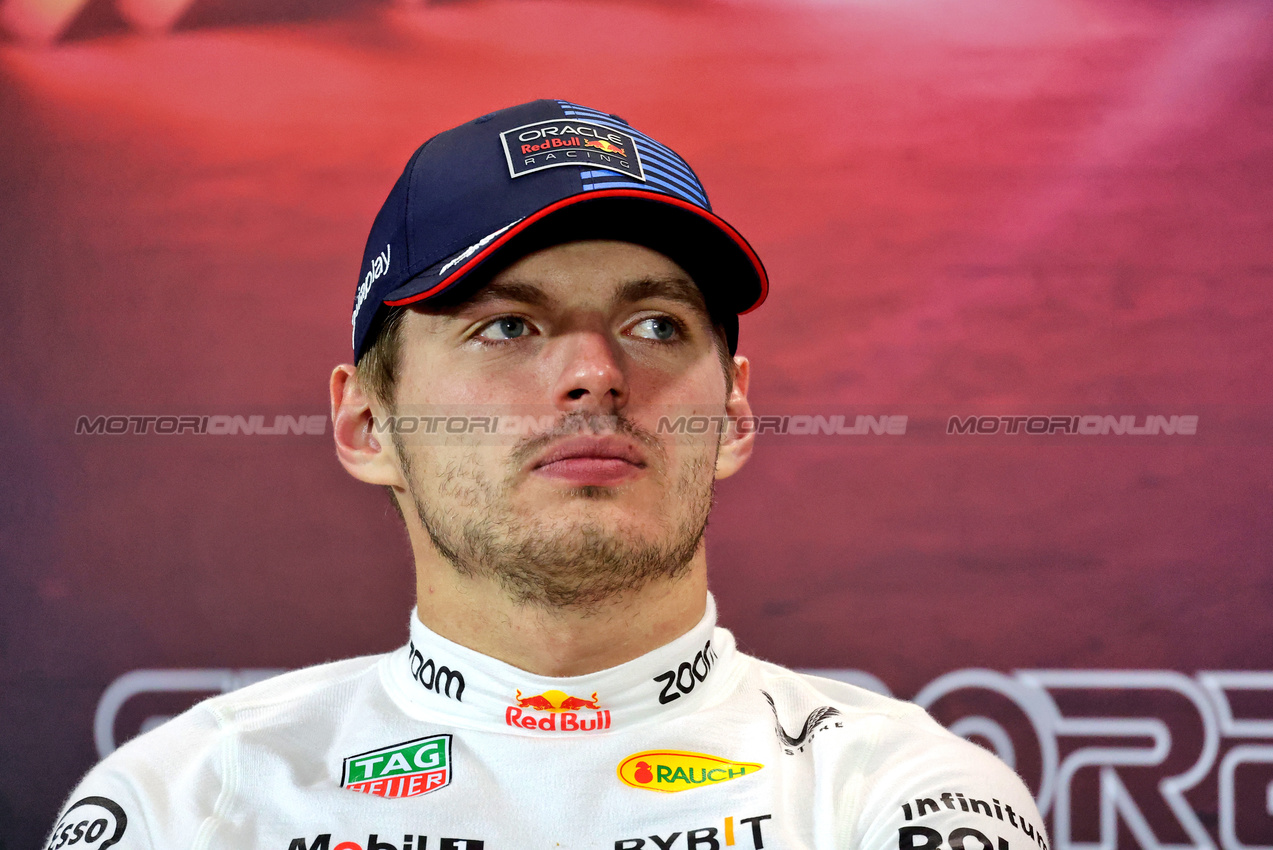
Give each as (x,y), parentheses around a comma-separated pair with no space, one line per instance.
(673,288)
(509,290)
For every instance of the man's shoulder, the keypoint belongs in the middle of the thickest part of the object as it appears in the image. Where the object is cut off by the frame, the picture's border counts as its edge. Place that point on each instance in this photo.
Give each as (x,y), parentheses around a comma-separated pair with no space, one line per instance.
(894,730)
(193,738)
(785,686)
(277,698)
(161,784)
(904,776)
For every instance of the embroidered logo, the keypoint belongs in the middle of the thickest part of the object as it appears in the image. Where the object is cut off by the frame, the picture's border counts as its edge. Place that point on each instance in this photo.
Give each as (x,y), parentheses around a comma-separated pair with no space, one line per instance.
(408,769)
(670,771)
(434,677)
(379,266)
(577,714)
(91,823)
(570,141)
(817,721)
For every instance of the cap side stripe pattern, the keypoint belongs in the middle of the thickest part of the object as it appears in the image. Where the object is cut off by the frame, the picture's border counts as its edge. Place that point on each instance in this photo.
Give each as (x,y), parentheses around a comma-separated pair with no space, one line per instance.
(602,179)
(585,112)
(671,157)
(669,171)
(619,184)
(650,150)
(653,178)
(671,177)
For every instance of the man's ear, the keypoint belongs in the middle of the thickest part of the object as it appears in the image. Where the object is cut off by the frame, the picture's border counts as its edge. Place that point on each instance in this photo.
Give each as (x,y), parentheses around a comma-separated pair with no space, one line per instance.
(366,455)
(737,442)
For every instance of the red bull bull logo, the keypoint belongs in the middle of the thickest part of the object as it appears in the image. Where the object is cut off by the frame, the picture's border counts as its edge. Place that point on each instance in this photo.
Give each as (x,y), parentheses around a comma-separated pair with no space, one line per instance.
(561,713)
(602,144)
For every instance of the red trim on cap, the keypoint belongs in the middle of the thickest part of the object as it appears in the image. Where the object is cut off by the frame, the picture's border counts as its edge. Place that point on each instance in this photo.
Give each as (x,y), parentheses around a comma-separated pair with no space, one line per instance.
(586,196)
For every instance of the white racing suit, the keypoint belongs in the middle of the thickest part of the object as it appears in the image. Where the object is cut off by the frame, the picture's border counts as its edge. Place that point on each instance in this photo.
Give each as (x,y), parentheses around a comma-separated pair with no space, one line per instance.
(693,746)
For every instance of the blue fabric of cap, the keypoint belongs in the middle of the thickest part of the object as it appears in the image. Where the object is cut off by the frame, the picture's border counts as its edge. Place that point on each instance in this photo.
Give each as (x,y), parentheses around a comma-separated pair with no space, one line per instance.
(537,174)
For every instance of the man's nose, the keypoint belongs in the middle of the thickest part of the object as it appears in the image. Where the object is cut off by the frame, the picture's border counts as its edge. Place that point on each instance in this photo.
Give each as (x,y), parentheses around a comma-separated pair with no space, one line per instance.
(592,376)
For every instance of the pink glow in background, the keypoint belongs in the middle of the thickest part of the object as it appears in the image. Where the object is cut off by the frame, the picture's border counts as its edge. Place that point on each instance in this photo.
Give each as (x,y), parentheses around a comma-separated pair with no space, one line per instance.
(979,207)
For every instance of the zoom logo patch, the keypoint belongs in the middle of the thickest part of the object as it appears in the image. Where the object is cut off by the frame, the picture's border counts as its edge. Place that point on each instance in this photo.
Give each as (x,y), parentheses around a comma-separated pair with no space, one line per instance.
(683,679)
(435,677)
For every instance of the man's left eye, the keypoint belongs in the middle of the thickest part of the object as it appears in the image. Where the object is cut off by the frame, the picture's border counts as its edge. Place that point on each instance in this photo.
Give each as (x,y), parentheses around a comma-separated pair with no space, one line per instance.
(661,328)
(506,327)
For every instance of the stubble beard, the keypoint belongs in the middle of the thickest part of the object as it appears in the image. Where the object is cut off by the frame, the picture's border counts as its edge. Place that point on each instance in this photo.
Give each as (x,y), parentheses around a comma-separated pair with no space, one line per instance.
(578,563)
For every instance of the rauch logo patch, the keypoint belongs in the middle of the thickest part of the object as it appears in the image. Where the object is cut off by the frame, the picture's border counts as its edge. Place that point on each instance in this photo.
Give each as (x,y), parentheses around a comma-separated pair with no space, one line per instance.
(408,769)
(673,770)
(93,823)
(569,141)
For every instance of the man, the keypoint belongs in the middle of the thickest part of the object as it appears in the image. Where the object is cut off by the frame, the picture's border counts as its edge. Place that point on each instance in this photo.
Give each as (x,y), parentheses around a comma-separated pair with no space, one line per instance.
(543,292)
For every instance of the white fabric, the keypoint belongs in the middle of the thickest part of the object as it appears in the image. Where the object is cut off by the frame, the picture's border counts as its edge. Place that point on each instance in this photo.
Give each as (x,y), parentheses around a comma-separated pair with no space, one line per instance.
(264,767)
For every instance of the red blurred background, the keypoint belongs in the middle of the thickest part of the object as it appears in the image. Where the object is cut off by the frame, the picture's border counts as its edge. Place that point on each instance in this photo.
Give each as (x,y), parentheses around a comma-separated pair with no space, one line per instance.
(967,208)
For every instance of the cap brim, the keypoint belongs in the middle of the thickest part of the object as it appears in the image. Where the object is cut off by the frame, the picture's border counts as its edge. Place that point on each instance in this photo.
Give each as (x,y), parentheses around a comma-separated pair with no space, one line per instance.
(716,256)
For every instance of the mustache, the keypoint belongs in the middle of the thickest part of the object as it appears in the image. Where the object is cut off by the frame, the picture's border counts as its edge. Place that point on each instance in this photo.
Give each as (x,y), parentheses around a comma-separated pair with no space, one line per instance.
(597,424)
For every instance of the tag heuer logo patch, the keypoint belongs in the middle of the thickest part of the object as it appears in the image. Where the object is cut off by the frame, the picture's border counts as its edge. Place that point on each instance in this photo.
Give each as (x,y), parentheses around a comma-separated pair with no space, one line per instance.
(570,141)
(408,769)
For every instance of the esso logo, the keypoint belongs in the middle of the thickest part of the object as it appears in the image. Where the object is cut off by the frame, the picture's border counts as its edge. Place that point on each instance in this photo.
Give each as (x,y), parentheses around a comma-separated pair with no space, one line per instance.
(93,823)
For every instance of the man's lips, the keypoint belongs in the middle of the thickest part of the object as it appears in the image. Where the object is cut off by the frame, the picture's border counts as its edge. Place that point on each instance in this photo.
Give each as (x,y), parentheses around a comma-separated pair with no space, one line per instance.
(595,461)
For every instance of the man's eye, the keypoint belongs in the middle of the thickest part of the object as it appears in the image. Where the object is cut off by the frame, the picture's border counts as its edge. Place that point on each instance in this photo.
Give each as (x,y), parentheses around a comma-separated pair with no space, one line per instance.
(661,328)
(507,327)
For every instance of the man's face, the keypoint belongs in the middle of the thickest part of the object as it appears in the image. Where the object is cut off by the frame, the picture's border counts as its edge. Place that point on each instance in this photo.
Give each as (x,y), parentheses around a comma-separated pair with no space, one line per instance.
(595,342)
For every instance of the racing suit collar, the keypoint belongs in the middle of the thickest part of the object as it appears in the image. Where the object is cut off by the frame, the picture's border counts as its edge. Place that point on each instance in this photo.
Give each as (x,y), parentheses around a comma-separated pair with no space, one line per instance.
(438,680)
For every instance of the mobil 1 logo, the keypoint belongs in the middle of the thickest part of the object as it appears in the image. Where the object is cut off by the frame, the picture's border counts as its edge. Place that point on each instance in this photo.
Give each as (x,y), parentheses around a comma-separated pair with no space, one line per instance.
(375,842)
(690,672)
(570,141)
(92,823)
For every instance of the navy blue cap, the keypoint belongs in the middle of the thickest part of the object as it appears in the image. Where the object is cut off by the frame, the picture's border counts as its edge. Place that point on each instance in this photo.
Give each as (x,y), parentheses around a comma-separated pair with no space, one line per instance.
(535,175)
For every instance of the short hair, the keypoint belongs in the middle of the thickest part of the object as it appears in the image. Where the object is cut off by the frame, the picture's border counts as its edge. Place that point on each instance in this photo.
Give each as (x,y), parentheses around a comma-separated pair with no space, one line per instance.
(377,369)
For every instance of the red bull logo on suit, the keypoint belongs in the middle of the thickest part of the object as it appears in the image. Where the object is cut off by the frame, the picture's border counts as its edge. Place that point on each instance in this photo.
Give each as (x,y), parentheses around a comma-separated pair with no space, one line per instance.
(561,712)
